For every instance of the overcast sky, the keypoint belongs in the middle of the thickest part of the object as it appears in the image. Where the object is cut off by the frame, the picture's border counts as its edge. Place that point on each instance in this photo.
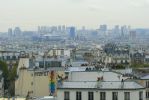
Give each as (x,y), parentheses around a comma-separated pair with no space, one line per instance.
(28,14)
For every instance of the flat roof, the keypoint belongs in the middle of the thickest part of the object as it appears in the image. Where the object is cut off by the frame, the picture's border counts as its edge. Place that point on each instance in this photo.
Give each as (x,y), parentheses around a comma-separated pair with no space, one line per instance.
(104,85)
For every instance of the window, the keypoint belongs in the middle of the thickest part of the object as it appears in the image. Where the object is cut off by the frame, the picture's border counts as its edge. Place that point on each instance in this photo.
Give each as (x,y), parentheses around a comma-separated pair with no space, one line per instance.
(66,96)
(32,83)
(102,96)
(78,96)
(114,95)
(126,95)
(147,84)
(147,94)
(3,57)
(13,57)
(90,96)
(41,64)
(140,95)
(8,57)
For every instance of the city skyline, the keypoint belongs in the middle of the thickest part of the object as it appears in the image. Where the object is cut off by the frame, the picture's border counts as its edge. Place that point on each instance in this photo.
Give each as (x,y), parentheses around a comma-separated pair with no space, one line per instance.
(28,14)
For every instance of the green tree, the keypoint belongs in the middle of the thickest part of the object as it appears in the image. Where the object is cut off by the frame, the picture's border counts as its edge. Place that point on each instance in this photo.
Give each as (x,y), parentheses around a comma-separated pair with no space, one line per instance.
(9,77)
(12,73)
(4,69)
(120,66)
(135,65)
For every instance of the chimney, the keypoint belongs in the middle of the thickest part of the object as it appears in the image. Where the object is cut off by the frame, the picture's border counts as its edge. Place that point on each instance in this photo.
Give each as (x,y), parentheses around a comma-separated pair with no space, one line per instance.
(122,83)
(99,85)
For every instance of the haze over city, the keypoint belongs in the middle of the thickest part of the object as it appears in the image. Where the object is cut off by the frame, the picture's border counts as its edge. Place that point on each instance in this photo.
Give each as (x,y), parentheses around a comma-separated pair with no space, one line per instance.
(28,14)
(74,50)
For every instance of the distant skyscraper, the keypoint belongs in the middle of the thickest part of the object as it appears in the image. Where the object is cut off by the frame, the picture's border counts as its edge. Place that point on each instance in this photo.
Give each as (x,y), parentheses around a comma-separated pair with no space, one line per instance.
(83,28)
(132,35)
(72,32)
(44,29)
(10,33)
(116,30)
(39,29)
(124,30)
(63,28)
(103,28)
(54,28)
(17,31)
(59,28)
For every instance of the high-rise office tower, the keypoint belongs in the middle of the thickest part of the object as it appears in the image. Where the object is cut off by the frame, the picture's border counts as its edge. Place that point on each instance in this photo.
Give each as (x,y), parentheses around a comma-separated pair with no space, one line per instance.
(132,35)
(83,28)
(44,29)
(39,29)
(17,31)
(59,28)
(72,32)
(63,28)
(10,33)
(124,30)
(116,30)
(103,28)
(54,28)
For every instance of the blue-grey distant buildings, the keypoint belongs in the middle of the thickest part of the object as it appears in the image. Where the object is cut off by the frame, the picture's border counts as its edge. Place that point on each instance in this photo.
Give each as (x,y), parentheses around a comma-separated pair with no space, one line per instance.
(103,28)
(10,32)
(17,31)
(117,30)
(72,32)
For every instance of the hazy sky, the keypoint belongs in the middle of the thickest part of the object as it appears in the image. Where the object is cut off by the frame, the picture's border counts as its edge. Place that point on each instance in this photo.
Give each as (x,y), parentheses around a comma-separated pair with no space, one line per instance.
(91,13)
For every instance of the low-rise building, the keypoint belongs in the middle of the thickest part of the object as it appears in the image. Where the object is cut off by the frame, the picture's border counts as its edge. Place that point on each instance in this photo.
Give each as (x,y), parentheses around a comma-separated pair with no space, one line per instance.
(138,57)
(99,85)
(11,57)
(144,81)
(35,81)
(75,83)
(100,91)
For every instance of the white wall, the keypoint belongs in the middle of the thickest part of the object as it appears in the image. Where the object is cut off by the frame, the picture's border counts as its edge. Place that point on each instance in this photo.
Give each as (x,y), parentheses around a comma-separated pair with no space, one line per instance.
(58,52)
(23,62)
(134,94)
(67,53)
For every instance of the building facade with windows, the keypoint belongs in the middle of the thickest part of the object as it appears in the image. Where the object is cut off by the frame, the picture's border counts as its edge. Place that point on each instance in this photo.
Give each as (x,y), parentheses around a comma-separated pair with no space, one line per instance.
(101,91)
(144,81)
(99,85)
(11,57)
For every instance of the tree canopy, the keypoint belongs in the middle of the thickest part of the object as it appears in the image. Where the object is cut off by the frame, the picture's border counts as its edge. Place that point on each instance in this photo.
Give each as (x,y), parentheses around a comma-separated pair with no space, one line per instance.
(9,77)
(4,69)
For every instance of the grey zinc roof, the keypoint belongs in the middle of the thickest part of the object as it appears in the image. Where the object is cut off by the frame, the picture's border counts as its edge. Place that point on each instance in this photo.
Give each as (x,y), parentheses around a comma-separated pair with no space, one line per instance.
(100,85)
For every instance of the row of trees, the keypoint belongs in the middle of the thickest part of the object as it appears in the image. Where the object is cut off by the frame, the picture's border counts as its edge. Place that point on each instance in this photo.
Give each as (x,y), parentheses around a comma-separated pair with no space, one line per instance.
(9,76)
(135,65)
